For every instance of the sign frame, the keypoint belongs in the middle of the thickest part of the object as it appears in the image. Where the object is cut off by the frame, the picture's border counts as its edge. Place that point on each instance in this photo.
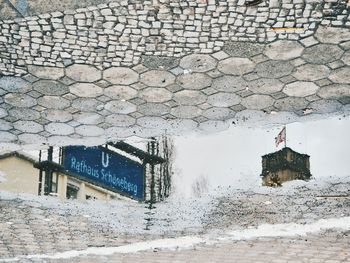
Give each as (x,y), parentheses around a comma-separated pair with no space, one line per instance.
(90,181)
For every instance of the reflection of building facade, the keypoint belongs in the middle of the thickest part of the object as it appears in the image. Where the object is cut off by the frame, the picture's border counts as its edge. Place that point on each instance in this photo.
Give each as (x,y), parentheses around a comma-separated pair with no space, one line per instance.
(20,176)
(284,165)
(48,175)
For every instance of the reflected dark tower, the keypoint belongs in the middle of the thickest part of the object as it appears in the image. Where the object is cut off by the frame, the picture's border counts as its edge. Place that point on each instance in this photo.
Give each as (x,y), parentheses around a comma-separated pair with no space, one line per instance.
(284,165)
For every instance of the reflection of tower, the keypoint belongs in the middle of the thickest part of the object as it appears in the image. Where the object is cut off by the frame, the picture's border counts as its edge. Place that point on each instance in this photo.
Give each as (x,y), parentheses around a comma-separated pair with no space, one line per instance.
(284,165)
(158,176)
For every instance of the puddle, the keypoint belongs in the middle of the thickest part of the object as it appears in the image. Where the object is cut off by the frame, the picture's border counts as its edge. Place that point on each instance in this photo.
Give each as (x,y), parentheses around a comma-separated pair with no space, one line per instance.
(151,170)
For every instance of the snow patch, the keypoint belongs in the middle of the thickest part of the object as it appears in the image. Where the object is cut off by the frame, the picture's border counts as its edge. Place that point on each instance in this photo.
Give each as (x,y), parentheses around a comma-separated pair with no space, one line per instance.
(292,229)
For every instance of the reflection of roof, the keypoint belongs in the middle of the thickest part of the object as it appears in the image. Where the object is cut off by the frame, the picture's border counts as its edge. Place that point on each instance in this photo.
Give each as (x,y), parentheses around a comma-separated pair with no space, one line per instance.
(144,156)
(20,155)
(282,151)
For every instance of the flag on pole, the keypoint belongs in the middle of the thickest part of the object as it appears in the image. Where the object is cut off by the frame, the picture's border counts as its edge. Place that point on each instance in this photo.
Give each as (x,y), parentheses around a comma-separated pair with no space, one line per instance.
(281,137)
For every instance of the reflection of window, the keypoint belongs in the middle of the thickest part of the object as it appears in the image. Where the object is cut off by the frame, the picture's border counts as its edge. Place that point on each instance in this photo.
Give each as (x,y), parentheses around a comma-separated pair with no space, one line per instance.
(72,191)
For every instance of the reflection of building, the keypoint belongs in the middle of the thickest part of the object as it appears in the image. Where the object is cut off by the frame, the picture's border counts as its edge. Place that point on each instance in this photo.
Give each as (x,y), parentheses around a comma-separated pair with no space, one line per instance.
(284,165)
(19,175)
(115,168)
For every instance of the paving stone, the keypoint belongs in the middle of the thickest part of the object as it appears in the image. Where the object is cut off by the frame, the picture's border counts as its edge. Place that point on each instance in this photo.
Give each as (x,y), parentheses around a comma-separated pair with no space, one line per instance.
(7,137)
(53,102)
(322,54)
(120,120)
(154,123)
(5,125)
(198,57)
(156,95)
(333,35)
(28,126)
(223,99)
(122,107)
(104,98)
(229,84)
(103,83)
(198,63)
(346,102)
(59,129)
(31,139)
(89,130)
(335,91)
(137,101)
(120,75)
(3,113)
(14,84)
(195,81)
(87,90)
(325,106)
(2,92)
(181,126)
(49,87)
(265,86)
(186,112)
(300,89)
(158,62)
(20,100)
(24,114)
(214,126)
(189,97)
(88,118)
(120,92)
(335,64)
(274,69)
(86,104)
(220,55)
(236,66)
(83,73)
(257,102)
(155,109)
(244,93)
(311,72)
(157,78)
(215,113)
(309,41)
(52,73)
(121,132)
(283,50)
(243,49)
(291,104)
(30,78)
(346,58)
(66,81)
(57,115)
(341,75)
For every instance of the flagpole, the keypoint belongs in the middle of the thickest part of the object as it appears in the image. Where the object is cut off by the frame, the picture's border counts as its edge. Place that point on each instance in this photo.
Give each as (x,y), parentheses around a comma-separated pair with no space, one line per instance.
(285,139)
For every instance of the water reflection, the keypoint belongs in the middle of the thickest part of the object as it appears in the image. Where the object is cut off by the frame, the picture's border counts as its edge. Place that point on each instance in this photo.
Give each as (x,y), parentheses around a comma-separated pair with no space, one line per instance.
(150,170)
(102,172)
(234,157)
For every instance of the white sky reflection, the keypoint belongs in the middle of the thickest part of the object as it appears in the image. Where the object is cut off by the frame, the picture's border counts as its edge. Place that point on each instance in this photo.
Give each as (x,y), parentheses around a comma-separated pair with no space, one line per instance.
(233,157)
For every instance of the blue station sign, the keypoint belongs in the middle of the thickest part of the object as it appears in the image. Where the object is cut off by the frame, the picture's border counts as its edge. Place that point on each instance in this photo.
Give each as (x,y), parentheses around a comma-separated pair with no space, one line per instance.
(105,168)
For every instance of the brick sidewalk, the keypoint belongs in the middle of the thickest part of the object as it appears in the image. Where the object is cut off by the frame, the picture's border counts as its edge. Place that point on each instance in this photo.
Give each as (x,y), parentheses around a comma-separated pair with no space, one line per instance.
(328,247)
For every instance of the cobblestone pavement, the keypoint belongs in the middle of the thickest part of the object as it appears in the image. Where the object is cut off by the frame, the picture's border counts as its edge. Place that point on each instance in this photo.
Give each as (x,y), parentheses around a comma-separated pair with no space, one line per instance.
(328,247)
(114,70)
(34,227)
(331,247)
